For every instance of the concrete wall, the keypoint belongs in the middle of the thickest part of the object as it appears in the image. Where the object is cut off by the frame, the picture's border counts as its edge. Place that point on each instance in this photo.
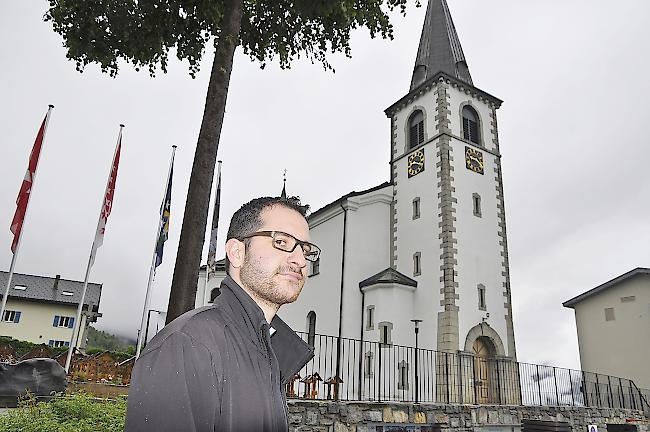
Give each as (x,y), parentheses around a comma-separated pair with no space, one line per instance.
(364,417)
(620,347)
(36,321)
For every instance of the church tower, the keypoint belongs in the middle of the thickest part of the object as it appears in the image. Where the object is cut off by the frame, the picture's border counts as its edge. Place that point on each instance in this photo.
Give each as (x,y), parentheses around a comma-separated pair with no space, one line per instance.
(448,229)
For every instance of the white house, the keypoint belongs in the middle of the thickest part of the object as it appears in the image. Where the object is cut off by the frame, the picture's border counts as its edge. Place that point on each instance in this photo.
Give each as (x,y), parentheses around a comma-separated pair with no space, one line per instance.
(42,309)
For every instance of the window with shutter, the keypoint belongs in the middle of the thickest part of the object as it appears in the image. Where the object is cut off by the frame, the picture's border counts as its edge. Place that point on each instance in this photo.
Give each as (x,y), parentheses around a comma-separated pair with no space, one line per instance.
(470,125)
(416,129)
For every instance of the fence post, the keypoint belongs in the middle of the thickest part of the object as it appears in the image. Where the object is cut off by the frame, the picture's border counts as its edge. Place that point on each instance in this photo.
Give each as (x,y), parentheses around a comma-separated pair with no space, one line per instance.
(539,387)
(573,400)
(447,374)
(474,379)
(621,398)
(557,394)
(632,397)
(379,375)
(521,396)
(610,396)
(498,383)
(600,402)
(584,388)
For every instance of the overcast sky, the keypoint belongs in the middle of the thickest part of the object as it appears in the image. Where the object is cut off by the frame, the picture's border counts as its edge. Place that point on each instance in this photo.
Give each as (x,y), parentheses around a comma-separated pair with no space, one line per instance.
(573,135)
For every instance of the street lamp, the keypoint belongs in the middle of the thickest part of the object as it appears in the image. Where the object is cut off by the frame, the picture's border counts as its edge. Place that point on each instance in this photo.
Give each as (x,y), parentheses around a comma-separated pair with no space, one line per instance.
(146,331)
(416,322)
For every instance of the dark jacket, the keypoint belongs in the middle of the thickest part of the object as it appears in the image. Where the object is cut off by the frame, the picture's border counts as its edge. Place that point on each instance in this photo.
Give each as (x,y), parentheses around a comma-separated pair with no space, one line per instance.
(216,369)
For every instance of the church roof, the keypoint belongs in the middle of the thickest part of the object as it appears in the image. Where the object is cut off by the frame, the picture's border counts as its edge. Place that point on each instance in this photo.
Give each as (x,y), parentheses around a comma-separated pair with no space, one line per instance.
(439,49)
(600,288)
(346,196)
(388,276)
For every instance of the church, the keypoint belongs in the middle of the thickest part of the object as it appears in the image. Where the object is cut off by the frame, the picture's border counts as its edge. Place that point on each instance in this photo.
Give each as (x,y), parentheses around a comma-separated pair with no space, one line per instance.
(424,255)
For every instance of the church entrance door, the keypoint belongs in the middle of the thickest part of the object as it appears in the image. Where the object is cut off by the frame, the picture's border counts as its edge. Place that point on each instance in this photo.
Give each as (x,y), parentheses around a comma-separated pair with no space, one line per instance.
(481,352)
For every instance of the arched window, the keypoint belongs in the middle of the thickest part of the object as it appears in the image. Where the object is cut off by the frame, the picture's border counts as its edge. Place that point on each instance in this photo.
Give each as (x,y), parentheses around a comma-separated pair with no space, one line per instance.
(416,129)
(311,328)
(214,294)
(470,124)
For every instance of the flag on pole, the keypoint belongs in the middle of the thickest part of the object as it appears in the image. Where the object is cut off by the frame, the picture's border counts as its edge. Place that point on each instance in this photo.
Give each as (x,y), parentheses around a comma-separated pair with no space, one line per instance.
(107,206)
(165,212)
(26,186)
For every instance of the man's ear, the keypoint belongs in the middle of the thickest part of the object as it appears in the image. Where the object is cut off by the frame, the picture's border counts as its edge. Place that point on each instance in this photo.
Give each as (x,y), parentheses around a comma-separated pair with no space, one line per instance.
(235,250)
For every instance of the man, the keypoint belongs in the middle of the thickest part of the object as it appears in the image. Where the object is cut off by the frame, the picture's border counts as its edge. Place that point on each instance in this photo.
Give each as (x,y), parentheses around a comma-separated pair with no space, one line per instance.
(222,367)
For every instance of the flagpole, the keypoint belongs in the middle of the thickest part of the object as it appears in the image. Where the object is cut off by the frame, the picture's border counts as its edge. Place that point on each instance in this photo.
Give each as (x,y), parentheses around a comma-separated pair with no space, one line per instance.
(15,251)
(91,258)
(152,270)
(212,248)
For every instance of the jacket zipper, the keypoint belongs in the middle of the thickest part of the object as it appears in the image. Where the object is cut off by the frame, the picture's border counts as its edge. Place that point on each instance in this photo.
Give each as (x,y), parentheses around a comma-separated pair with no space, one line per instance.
(265,338)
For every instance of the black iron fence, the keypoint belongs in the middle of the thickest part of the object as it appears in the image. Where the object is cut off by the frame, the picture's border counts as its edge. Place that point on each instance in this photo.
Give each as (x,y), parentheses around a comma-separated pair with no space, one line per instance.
(349,369)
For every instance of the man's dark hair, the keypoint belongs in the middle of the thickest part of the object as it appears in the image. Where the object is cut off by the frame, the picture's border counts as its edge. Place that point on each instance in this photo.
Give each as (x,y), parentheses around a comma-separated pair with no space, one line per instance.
(248,218)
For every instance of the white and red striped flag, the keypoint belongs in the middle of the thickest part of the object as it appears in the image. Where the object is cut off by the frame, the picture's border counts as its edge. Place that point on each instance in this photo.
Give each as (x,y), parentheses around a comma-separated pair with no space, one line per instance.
(26,186)
(108,200)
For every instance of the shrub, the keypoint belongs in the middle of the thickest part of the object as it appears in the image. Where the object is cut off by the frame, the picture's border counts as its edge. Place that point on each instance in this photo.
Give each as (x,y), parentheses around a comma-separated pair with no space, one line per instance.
(71,413)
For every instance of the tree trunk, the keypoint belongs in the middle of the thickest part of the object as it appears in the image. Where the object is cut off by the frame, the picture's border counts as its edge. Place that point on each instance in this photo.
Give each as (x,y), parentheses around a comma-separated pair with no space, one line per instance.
(188,258)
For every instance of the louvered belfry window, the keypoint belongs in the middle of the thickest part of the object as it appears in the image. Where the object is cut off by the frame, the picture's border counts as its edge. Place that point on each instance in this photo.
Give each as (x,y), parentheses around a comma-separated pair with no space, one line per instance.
(416,129)
(470,125)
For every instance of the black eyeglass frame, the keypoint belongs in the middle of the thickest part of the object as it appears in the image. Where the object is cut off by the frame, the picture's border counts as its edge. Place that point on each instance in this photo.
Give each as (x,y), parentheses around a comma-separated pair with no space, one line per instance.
(300,243)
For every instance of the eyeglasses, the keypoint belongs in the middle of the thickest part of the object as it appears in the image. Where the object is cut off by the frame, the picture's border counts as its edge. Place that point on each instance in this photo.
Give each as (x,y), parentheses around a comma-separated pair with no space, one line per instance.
(287,243)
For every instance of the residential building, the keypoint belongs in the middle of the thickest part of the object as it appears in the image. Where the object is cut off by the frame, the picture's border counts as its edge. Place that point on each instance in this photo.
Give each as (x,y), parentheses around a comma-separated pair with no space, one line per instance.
(43,310)
(613,324)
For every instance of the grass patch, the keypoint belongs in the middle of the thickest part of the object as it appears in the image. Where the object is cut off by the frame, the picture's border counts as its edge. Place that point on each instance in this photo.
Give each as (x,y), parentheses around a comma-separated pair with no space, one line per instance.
(70,413)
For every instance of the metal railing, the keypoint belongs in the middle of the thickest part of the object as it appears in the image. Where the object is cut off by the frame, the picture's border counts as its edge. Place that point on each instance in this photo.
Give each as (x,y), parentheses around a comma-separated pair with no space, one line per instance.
(350,369)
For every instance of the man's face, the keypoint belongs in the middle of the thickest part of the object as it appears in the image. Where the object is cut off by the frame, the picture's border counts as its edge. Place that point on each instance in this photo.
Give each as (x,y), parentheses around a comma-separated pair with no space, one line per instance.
(276,276)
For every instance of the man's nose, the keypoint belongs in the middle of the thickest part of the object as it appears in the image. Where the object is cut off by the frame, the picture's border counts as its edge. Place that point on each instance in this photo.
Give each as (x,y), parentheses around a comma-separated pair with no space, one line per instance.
(297,257)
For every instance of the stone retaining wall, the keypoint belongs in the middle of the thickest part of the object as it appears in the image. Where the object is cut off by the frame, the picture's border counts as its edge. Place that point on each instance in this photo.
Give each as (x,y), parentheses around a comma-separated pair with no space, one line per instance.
(324,416)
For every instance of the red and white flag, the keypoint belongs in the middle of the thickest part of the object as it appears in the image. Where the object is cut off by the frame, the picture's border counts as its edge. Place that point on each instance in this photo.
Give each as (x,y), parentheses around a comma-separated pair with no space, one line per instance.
(108,200)
(26,186)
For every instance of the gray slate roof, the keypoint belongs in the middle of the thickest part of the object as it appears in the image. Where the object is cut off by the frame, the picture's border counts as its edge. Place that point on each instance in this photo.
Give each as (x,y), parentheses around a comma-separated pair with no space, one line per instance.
(439,49)
(41,289)
(389,275)
(600,288)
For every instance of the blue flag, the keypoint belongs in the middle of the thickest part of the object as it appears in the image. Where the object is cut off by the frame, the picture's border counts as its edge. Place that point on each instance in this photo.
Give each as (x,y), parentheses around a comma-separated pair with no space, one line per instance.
(164,218)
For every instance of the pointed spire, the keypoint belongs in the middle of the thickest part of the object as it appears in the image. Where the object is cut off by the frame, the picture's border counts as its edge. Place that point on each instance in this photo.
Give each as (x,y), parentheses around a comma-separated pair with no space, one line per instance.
(212,248)
(283,195)
(439,49)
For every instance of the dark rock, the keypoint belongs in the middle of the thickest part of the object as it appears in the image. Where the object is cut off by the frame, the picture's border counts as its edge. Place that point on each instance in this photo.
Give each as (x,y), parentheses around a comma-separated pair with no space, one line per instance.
(39,376)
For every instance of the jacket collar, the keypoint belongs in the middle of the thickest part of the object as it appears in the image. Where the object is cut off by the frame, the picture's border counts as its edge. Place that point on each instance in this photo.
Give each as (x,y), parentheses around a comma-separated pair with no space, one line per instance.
(253,313)
(292,352)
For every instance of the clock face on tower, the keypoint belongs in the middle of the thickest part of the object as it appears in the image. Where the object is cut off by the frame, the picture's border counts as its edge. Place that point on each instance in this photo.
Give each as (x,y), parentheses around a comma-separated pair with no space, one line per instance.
(474,160)
(415,163)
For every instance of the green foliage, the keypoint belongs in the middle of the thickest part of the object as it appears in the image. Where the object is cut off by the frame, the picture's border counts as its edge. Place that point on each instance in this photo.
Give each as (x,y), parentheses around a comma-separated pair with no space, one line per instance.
(23,347)
(99,341)
(70,413)
(142,32)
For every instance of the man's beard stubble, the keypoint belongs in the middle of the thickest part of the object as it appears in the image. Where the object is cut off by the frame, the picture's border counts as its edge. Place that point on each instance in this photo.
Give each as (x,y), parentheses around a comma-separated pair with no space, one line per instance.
(265,285)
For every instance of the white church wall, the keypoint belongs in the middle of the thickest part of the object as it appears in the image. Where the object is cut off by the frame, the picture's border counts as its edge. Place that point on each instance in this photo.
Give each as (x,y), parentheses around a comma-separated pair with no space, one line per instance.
(367,253)
(367,245)
(321,291)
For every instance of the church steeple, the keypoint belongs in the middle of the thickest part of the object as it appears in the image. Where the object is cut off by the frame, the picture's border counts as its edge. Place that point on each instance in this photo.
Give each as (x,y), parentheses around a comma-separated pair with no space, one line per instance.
(439,49)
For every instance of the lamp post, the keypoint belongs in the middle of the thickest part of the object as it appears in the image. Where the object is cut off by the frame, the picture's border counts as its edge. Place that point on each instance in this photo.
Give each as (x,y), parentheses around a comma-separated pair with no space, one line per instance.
(416,322)
(146,331)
